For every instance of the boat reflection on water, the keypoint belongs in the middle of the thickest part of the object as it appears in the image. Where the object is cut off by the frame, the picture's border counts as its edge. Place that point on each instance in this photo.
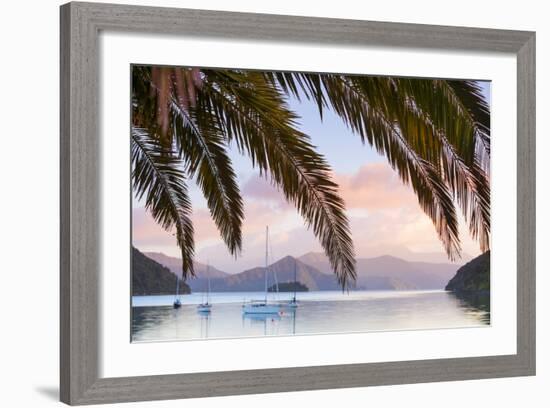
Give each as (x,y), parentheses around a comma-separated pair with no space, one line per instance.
(283,322)
(203,313)
(205,323)
(265,317)
(154,319)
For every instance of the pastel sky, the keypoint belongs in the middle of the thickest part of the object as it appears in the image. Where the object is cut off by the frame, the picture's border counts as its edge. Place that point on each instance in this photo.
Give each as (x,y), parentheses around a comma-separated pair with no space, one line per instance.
(384,214)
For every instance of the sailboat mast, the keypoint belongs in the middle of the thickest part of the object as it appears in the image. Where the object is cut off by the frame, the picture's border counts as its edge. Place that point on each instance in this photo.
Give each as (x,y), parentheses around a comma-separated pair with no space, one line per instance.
(266,261)
(295,283)
(208,280)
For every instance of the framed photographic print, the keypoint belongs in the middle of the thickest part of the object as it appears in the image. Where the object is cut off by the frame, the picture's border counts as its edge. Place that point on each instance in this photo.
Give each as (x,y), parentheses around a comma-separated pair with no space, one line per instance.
(291,203)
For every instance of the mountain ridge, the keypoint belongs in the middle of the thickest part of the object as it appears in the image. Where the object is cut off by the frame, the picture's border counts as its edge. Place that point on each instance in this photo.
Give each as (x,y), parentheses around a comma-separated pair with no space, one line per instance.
(421,275)
(174,264)
(385,272)
(152,278)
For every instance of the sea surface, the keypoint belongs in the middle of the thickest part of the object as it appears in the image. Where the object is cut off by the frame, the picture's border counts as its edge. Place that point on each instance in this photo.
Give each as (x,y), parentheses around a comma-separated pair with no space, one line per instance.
(154,318)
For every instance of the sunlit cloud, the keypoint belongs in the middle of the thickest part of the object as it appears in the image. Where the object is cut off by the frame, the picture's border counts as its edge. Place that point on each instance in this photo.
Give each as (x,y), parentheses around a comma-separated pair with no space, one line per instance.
(375,186)
(259,188)
(385,219)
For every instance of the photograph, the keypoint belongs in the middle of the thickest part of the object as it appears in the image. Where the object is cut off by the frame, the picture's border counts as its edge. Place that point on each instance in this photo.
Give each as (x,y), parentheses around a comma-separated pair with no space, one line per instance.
(294,203)
(243,204)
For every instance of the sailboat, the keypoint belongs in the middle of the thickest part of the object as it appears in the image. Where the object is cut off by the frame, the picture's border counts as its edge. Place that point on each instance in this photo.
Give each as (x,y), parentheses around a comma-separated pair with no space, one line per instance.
(177,301)
(293,302)
(263,306)
(206,307)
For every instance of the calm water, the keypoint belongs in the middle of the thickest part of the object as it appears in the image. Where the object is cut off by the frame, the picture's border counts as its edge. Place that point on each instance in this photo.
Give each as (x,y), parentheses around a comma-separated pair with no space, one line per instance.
(155,319)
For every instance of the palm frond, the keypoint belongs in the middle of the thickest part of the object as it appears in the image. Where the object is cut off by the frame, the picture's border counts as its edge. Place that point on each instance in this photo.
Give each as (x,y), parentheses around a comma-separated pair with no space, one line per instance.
(254,115)
(203,150)
(440,131)
(367,109)
(157,174)
(434,133)
(472,101)
(457,109)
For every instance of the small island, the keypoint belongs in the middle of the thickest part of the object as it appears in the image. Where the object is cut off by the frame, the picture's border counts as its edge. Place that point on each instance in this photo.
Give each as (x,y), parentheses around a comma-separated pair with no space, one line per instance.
(289,287)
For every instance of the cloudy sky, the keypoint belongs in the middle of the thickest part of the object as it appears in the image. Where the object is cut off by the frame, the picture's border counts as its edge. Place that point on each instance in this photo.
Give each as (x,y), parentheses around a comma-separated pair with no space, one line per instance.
(384,214)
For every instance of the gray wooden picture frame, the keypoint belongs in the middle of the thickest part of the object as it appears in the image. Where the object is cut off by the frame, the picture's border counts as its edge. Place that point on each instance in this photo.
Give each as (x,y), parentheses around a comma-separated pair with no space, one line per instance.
(80,192)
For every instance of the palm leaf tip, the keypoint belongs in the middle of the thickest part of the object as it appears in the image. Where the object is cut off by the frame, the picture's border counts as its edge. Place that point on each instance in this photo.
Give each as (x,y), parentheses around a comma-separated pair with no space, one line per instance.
(433,132)
(256,117)
(157,175)
(203,149)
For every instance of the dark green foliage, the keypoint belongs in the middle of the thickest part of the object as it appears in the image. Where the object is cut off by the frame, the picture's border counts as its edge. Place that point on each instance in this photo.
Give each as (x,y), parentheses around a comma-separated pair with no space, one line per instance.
(242,108)
(434,133)
(474,276)
(289,287)
(254,115)
(157,173)
(151,278)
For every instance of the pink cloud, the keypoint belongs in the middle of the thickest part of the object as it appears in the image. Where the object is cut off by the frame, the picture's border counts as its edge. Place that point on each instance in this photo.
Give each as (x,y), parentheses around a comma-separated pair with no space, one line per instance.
(375,186)
(259,188)
(146,232)
(149,236)
(393,222)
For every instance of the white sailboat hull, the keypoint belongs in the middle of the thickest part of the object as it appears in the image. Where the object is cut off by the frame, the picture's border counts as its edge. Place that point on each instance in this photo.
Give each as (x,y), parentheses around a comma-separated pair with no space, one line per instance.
(205,308)
(261,308)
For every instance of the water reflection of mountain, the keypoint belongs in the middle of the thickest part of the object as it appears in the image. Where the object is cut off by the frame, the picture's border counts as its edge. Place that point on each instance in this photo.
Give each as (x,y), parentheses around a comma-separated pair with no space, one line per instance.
(475,302)
(146,317)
